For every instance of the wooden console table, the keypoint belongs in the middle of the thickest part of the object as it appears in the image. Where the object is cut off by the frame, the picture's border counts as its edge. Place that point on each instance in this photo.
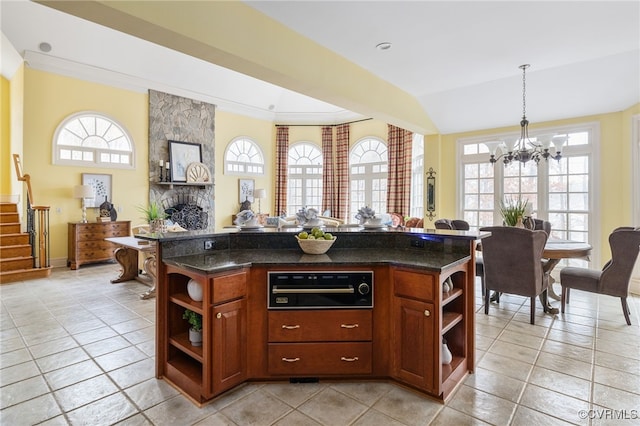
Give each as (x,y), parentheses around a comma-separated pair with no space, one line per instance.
(127,256)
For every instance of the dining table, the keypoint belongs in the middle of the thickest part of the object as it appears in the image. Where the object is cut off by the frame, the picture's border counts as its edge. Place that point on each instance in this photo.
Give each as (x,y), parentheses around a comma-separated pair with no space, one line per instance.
(554,251)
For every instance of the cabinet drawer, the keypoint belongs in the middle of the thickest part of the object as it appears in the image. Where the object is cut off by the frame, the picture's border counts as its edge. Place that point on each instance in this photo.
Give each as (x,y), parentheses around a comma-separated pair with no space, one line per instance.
(99,233)
(320,326)
(229,287)
(94,254)
(96,245)
(304,359)
(413,285)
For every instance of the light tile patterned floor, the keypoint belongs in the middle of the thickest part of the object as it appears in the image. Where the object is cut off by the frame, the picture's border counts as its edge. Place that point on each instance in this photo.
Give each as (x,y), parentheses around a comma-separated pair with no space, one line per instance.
(75,349)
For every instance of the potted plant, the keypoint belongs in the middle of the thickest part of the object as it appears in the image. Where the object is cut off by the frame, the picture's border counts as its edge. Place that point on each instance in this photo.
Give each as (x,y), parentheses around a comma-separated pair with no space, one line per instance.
(195,331)
(154,215)
(513,211)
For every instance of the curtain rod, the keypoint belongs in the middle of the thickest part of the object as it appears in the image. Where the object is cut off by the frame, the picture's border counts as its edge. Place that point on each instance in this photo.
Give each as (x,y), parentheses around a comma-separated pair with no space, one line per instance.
(322,125)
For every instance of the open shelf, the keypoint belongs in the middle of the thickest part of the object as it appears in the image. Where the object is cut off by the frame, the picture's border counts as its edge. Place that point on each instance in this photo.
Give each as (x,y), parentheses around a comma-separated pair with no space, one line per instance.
(451,295)
(449,319)
(185,301)
(181,341)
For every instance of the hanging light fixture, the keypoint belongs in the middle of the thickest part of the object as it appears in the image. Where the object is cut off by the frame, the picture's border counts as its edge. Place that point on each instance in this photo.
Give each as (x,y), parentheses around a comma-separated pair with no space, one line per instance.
(524,149)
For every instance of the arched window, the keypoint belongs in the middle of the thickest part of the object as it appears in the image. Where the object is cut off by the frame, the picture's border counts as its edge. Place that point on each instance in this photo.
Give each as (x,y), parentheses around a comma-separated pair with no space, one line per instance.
(243,156)
(305,177)
(92,139)
(369,168)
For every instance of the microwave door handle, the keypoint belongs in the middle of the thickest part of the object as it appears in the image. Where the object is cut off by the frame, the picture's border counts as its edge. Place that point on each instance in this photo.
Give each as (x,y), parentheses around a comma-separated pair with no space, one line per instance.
(334,290)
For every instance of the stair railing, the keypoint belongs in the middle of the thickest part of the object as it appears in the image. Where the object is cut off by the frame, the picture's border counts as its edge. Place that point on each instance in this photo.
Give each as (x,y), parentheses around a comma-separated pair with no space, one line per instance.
(37,223)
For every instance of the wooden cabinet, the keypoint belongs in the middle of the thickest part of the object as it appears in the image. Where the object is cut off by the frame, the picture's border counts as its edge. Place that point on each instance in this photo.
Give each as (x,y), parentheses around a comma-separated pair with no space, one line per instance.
(414,329)
(319,342)
(86,241)
(424,316)
(203,372)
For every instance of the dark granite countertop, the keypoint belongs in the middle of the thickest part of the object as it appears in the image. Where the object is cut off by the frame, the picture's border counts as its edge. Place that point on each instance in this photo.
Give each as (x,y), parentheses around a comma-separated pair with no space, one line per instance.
(222,260)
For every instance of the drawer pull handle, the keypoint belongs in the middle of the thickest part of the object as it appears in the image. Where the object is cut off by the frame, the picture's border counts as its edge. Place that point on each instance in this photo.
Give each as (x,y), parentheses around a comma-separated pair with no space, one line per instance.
(291,359)
(427,313)
(219,315)
(349,325)
(354,359)
(290,327)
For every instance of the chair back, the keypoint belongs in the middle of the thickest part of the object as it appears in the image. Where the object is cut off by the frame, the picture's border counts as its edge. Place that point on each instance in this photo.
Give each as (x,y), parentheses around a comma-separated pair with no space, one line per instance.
(460,225)
(443,224)
(616,274)
(512,260)
(543,225)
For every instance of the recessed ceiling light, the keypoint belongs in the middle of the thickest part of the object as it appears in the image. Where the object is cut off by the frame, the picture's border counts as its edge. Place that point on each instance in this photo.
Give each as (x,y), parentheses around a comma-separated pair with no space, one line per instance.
(44,47)
(272,107)
(385,45)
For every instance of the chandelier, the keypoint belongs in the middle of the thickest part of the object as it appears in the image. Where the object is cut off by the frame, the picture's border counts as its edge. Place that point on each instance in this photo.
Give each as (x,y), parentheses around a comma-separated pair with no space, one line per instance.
(524,149)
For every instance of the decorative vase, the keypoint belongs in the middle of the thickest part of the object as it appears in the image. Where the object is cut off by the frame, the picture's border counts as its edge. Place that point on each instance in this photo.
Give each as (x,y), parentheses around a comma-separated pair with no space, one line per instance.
(446,356)
(157,225)
(519,223)
(447,286)
(195,337)
(195,290)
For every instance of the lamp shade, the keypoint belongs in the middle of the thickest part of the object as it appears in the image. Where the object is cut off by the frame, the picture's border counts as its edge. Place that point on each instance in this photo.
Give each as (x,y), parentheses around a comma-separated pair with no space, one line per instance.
(83,191)
(260,193)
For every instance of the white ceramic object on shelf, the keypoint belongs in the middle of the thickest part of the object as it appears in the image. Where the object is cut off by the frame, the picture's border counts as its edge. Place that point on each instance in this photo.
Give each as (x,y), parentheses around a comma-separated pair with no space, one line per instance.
(195,337)
(195,290)
(446,356)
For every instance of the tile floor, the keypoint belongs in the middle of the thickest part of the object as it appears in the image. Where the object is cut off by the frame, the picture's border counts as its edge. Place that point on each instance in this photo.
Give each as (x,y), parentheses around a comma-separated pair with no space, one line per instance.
(75,349)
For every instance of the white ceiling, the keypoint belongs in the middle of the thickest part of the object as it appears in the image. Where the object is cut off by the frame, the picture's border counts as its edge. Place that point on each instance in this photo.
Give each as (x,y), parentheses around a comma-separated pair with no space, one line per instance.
(458,59)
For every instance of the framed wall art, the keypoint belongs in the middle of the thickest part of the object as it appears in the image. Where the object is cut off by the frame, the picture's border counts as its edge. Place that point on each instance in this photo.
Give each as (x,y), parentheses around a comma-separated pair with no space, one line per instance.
(101,185)
(246,187)
(181,154)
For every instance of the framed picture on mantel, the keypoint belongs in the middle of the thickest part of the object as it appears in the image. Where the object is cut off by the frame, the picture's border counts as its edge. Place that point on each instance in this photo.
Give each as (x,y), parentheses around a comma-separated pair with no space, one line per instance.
(181,154)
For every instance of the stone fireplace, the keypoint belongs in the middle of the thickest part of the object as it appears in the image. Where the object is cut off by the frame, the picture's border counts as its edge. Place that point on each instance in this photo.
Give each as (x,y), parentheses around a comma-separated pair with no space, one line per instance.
(171,117)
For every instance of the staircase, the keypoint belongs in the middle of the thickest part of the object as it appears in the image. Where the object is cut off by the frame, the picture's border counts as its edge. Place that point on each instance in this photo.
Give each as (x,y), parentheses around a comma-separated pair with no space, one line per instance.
(16,260)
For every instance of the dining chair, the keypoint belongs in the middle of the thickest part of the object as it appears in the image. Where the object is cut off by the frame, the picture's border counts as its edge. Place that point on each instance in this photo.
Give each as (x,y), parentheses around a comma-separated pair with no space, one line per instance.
(513,264)
(540,224)
(443,224)
(613,279)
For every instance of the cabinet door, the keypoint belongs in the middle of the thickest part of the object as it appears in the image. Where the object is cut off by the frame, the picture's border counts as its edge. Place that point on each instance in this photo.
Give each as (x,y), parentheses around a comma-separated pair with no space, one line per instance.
(414,342)
(229,345)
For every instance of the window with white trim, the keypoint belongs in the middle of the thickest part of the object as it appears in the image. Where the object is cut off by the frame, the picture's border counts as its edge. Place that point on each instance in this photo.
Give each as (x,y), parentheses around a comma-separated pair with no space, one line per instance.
(559,191)
(369,168)
(92,139)
(417,176)
(304,180)
(243,156)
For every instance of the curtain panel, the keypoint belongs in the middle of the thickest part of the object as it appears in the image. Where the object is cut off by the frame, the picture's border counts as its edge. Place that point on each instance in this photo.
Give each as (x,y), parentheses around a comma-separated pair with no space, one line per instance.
(341,195)
(282,166)
(399,180)
(327,170)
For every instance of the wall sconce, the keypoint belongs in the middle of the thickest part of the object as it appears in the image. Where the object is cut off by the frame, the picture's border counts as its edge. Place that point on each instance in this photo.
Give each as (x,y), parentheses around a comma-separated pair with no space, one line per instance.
(259,194)
(431,194)
(83,192)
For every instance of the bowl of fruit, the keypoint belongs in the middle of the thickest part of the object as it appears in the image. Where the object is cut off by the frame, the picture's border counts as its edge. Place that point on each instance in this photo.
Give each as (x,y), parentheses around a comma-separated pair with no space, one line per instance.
(315,241)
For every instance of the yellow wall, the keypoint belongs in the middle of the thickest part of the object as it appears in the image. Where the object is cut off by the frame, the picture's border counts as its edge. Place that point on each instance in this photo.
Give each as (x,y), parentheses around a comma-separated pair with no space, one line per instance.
(615,174)
(48,99)
(5,138)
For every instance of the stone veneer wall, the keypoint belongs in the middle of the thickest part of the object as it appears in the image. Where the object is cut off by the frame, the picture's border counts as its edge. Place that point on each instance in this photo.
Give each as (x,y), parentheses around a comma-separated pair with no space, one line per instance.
(186,120)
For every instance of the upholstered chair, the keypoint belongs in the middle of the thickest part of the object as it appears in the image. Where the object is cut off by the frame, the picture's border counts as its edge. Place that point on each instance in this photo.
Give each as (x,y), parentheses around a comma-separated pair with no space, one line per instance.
(513,264)
(543,225)
(443,224)
(460,225)
(613,279)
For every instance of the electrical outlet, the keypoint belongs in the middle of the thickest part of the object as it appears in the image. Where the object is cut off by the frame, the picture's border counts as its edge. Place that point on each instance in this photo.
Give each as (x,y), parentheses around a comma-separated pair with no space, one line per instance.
(417,243)
(209,245)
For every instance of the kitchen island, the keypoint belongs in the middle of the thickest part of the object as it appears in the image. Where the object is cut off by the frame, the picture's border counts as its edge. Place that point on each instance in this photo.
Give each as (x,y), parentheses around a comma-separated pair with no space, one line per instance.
(399,337)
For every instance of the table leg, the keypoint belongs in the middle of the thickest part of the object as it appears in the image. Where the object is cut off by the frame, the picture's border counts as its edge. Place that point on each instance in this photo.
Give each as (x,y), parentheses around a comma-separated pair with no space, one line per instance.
(547,267)
(128,260)
(149,267)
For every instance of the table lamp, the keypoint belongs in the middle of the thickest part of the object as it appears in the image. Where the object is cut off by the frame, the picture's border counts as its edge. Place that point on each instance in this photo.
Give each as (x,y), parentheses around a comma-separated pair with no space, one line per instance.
(83,192)
(259,194)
